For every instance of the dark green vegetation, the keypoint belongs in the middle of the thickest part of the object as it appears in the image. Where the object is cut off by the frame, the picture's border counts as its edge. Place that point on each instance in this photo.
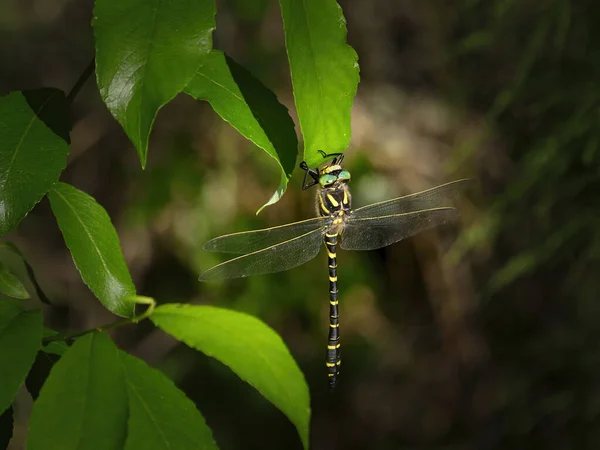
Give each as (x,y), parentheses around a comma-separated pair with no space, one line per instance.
(483,335)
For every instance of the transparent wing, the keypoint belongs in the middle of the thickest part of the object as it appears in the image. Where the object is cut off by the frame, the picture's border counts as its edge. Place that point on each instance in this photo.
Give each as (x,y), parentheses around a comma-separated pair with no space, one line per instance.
(432,198)
(251,241)
(377,232)
(277,258)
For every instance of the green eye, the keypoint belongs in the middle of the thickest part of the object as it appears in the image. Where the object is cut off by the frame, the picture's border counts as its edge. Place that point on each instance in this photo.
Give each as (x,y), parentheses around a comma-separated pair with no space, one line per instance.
(327,179)
(344,175)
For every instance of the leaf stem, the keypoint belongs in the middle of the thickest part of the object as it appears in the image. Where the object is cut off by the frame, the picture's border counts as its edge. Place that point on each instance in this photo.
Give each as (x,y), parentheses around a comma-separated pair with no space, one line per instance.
(81,80)
(119,323)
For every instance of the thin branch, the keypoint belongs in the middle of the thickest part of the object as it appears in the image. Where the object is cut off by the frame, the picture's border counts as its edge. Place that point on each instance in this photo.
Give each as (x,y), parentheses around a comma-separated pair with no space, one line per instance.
(89,70)
(119,323)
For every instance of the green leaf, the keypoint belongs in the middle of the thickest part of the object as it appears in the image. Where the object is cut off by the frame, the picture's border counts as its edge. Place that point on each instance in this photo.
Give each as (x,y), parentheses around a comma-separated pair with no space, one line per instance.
(20,336)
(57,348)
(83,403)
(94,245)
(10,285)
(33,150)
(161,417)
(251,108)
(26,274)
(146,53)
(99,398)
(324,74)
(250,348)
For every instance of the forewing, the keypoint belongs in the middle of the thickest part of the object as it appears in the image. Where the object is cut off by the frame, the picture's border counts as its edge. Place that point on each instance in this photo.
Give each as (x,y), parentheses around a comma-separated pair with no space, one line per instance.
(377,232)
(436,197)
(277,258)
(251,241)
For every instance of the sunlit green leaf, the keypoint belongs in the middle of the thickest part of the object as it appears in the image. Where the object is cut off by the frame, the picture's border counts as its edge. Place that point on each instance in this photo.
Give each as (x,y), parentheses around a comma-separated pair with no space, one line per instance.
(251,108)
(94,245)
(250,348)
(20,340)
(10,285)
(83,403)
(146,53)
(324,74)
(33,150)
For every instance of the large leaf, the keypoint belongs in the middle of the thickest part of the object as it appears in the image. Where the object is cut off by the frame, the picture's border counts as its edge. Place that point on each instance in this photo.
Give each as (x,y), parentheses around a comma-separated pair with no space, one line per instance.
(33,150)
(83,403)
(146,53)
(250,348)
(324,74)
(251,108)
(161,417)
(20,340)
(10,284)
(99,398)
(94,245)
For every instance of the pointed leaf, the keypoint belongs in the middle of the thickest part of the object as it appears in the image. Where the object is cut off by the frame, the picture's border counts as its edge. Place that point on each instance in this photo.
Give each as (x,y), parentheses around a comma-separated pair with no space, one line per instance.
(324,74)
(33,150)
(10,285)
(83,403)
(94,245)
(161,417)
(146,53)
(249,347)
(251,108)
(20,340)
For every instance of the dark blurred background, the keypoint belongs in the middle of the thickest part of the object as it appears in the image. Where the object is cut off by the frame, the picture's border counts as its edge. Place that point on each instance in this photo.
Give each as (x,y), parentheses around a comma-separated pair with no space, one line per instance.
(480,335)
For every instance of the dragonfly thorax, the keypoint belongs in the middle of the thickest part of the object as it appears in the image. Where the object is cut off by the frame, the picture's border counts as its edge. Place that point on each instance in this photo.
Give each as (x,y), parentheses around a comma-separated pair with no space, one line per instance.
(334,201)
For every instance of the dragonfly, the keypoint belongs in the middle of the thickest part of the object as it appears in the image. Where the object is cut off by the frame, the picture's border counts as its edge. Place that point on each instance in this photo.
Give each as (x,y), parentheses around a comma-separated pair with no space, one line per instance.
(370,227)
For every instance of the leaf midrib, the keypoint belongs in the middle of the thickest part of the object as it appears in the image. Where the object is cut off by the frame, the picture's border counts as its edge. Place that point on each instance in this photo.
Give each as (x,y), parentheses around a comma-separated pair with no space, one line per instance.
(87,232)
(314,64)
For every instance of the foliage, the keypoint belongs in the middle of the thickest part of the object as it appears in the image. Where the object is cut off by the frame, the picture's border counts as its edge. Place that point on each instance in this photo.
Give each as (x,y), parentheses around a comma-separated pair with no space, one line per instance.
(96,396)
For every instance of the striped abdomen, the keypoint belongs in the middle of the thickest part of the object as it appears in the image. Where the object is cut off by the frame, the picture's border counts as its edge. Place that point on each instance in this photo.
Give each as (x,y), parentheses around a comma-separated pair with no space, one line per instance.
(334,357)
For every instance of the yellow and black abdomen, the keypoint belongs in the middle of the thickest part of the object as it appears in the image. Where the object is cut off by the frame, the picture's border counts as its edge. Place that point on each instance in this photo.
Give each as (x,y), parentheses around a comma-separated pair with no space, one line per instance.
(334,356)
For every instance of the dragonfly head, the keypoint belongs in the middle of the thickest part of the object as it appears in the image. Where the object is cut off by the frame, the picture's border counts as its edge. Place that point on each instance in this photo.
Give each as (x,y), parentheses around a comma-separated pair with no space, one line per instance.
(333,174)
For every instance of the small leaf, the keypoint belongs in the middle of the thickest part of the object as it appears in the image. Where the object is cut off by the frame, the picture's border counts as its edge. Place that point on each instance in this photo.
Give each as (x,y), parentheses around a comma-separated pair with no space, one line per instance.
(324,74)
(28,271)
(146,53)
(161,417)
(57,348)
(94,245)
(251,108)
(10,285)
(83,403)
(32,152)
(20,336)
(250,348)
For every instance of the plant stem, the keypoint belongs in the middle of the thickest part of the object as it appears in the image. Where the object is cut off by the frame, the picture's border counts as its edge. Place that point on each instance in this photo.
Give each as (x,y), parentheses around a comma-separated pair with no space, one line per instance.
(81,80)
(119,323)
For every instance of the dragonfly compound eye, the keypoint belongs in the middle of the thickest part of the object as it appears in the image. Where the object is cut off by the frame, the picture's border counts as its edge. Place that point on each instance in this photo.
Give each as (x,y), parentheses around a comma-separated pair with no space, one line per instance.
(344,175)
(327,180)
